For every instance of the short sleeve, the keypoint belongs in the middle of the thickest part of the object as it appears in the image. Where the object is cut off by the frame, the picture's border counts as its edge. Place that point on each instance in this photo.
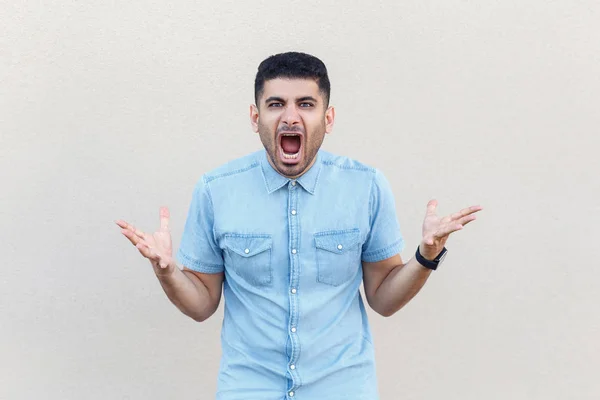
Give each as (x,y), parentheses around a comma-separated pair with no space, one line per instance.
(198,249)
(384,239)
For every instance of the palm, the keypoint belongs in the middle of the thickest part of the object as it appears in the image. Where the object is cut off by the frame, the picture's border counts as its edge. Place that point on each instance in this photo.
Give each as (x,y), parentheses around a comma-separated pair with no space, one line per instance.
(432,227)
(436,230)
(160,242)
(157,247)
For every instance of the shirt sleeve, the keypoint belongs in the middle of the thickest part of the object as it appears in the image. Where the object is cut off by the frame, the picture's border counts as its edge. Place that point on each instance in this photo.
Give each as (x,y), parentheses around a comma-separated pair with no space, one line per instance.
(198,249)
(384,239)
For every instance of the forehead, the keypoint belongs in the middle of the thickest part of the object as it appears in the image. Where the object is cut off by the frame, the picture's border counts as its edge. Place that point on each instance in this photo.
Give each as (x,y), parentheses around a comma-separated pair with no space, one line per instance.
(291,88)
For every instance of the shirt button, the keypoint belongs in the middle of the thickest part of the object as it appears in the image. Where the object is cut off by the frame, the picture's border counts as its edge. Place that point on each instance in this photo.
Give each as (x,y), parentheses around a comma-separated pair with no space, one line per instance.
(294,290)
(339,246)
(292,366)
(294,251)
(247,251)
(291,394)
(293,329)
(293,184)
(293,212)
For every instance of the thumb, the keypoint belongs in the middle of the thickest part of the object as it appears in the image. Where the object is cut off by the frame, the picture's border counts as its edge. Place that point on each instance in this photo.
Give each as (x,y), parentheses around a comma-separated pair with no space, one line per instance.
(160,262)
(164,218)
(431,207)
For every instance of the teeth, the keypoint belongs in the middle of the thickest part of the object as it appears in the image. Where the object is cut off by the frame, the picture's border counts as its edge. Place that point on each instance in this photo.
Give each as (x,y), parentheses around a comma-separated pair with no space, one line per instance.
(289,156)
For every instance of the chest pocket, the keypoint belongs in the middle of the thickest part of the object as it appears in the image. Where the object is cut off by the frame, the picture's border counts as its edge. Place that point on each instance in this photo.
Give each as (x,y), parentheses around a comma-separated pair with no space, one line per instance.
(249,255)
(338,256)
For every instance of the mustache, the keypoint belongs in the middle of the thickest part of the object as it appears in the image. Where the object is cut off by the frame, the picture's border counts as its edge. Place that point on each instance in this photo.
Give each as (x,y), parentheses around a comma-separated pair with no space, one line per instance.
(289,129)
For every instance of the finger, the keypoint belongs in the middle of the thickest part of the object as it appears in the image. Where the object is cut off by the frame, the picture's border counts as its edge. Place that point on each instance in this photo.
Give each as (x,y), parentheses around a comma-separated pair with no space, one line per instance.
(447,230)
(465,220)
(126,225)
(133,238)
(431,206)
(131,228)
(121,223)
(144,250)
(147,252)
(466,211)
(138,234)
(164,218)
(460,214)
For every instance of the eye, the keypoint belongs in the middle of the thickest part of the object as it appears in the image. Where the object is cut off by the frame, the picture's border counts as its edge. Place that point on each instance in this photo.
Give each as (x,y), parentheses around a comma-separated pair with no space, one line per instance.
(306,105)
(276,104)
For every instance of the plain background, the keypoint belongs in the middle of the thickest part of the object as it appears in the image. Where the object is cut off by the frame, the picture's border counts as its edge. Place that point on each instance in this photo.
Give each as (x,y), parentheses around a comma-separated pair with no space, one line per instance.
(109,110)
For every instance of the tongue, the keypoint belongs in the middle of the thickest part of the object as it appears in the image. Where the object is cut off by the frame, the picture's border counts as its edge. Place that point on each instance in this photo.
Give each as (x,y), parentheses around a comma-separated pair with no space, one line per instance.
(290,144)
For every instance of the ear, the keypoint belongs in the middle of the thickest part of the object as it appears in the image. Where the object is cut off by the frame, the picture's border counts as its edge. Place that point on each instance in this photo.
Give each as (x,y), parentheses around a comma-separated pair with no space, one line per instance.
(254,117)
(329,119)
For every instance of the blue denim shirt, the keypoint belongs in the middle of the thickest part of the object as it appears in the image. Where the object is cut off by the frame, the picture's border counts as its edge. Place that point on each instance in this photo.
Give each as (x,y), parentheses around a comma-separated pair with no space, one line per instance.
(294,325)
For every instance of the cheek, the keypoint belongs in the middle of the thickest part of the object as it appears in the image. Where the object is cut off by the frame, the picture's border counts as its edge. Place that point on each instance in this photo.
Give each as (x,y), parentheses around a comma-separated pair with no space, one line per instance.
(266,131)
(315,125)
(267,121)
(262,127)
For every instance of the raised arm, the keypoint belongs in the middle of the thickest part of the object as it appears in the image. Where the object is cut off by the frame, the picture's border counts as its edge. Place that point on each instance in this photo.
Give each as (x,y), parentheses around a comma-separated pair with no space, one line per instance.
(196,294)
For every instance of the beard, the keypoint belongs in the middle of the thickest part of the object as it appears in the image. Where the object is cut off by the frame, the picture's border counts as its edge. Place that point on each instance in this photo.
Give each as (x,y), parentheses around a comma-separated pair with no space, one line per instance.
(309,149)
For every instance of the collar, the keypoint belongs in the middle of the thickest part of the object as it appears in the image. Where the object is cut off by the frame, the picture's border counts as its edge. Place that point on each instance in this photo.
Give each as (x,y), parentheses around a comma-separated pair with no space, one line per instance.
(274,180)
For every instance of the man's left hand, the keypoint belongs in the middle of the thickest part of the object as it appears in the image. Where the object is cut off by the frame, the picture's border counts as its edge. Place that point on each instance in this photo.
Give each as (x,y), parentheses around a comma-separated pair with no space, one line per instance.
(436,230)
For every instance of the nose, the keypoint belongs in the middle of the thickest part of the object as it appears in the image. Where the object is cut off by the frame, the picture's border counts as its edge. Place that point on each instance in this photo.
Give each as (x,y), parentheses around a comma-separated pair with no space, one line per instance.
(291,116)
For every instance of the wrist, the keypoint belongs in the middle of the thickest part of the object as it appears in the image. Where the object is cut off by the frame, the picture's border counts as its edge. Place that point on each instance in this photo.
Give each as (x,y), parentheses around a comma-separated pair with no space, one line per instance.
(427,253)
(430,263)
(167,273)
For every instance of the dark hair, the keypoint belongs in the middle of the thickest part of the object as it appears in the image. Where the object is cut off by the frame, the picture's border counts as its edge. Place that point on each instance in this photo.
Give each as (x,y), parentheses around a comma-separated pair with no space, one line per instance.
(292,65)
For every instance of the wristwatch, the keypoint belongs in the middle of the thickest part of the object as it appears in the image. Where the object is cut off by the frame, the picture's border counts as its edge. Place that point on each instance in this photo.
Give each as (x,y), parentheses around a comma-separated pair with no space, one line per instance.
(431,264)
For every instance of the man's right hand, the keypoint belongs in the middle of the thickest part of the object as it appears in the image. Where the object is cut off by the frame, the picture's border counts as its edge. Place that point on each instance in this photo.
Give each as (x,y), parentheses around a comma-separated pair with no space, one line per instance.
(156,247)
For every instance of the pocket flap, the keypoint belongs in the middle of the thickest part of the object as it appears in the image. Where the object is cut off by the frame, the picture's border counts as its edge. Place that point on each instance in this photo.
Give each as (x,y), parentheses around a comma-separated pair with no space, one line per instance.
(248,245)
(338,241)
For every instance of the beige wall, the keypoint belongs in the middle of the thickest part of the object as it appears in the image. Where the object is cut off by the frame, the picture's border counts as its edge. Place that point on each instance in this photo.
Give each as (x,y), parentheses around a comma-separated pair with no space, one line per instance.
(110,111)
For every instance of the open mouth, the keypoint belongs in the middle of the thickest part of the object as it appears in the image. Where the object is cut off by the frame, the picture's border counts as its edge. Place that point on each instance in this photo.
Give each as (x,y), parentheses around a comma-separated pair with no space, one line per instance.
(290,145)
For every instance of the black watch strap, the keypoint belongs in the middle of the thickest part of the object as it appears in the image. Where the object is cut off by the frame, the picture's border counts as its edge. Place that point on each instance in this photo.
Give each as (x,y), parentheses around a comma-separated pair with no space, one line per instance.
(431,264)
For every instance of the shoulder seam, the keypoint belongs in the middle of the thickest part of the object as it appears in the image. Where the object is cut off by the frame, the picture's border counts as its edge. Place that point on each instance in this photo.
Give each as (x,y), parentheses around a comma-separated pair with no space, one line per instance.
(210,178)
(370,206)
(356,167)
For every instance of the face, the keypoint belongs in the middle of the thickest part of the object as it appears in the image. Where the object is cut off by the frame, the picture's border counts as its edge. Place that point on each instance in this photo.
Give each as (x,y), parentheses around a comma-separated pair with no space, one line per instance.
(291,120)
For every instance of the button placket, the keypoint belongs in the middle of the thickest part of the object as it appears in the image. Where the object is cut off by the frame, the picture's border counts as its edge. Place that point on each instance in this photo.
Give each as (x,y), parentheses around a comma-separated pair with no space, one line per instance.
(294,277)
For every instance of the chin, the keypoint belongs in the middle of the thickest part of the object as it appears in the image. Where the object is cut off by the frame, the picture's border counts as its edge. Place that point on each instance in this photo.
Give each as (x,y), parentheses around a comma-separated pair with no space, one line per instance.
(291,170)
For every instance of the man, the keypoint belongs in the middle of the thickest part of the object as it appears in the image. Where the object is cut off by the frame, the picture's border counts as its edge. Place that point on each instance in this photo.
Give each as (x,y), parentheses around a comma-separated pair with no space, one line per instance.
(290,232)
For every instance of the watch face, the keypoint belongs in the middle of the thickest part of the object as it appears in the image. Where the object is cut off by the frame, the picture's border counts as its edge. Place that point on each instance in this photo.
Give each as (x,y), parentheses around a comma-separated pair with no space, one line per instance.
(442,257)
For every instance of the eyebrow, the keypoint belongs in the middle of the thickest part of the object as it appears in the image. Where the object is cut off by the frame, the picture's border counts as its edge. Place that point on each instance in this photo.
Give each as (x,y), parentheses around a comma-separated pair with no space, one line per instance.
(279,99)
(305,98)
(274,98)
